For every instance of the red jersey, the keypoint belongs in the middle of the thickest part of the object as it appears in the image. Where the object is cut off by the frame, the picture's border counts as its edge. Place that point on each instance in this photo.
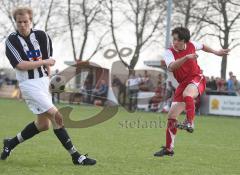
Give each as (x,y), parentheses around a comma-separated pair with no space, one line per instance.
(188,69)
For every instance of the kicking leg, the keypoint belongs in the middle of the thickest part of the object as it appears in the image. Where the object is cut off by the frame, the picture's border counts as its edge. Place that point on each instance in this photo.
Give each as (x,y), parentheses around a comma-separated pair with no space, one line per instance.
(62,135)
(189,94)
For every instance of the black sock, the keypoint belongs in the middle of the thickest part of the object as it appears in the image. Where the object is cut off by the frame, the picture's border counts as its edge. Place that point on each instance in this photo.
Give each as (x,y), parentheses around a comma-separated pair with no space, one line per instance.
(64,138)
(28,132)
(13,142)
(75,155)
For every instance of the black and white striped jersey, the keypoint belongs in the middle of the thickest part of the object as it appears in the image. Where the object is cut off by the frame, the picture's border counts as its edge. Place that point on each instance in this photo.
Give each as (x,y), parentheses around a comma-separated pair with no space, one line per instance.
(36,46)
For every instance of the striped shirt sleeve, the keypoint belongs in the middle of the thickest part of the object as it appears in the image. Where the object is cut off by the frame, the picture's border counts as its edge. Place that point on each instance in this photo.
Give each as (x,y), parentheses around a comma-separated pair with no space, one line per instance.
(13,52)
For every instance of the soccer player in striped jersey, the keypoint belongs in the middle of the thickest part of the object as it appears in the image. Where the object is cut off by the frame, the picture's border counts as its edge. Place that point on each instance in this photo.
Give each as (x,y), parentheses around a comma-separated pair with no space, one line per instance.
(30,53)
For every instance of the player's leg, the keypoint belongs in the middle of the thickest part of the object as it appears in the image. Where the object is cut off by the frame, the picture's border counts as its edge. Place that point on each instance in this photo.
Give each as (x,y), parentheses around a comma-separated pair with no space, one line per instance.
(189,94)
(42,123)
(57,122)
(171,130)
(33,128)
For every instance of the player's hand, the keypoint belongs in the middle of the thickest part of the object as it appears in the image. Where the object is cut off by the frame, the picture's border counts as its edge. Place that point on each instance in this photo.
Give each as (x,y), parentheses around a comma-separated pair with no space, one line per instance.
(49,62)
(191,56)
(223,52)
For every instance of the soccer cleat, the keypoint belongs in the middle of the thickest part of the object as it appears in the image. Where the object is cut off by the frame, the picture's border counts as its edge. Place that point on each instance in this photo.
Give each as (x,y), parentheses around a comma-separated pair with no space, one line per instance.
(185,125)
(163,152)
(83,160)
(6,150)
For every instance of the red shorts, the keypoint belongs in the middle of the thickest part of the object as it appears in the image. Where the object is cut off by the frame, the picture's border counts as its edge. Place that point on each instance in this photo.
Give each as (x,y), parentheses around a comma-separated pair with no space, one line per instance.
(198,80)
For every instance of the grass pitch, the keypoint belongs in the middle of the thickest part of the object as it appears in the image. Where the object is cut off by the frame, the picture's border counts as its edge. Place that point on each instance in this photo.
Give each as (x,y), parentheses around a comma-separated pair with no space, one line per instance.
(123,145)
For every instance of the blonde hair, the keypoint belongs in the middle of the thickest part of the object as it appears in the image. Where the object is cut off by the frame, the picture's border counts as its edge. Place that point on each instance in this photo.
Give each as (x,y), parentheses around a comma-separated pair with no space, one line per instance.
(23,11)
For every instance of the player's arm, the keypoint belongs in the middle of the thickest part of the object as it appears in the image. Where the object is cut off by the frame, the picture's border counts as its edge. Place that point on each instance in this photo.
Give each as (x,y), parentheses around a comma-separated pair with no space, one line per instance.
(173,64)
(17,57)
(27,65)
(220,52)
(179,62)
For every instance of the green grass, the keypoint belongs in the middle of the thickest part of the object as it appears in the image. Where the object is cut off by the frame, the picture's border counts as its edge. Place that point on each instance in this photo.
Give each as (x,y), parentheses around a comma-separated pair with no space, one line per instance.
(122,147)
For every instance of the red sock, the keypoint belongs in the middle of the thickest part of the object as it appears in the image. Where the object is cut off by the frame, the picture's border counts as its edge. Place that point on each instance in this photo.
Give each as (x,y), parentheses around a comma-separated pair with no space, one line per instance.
(171,132)
(190,108)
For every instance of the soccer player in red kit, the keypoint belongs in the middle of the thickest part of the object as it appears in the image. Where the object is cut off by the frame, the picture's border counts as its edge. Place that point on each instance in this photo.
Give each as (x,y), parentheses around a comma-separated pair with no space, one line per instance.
(181,60)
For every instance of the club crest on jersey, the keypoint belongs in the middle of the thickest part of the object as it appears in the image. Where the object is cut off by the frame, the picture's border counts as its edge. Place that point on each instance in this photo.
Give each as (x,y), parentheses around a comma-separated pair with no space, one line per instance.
(33,55)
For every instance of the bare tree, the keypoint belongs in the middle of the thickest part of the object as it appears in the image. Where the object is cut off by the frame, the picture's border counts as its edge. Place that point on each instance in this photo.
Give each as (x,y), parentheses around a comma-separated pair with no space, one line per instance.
(183,12)
(71,29)
(144,16)
(44,15)
(223,17)
(7,22)
(48,15)
(83,18)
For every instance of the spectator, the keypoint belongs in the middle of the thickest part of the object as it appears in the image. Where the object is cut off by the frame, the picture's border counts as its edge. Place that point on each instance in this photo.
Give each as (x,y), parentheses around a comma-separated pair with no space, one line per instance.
(208,86)
(121,96)
(160,78)
(236,85)
(1,78)
(87,88)
(230,85)
(157,98)
(170,89)
(133,88)
(220,84)
(213,85)
(100,93)
(147,84)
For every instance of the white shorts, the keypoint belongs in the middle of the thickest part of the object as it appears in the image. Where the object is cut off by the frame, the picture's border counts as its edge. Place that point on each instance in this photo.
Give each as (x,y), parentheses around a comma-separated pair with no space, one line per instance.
(36,94)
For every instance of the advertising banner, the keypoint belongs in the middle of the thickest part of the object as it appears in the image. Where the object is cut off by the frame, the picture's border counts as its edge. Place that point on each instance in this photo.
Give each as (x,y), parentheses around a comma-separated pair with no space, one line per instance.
(224,105)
